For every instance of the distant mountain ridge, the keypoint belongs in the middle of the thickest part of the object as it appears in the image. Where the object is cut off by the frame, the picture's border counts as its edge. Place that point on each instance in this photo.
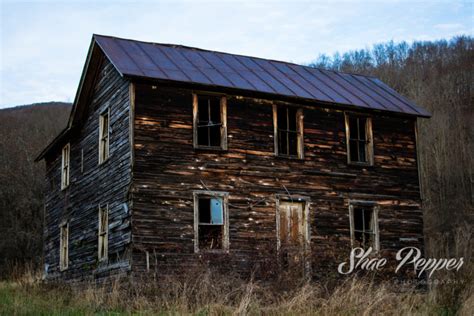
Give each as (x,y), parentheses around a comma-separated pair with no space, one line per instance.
(24,131)
(39,104)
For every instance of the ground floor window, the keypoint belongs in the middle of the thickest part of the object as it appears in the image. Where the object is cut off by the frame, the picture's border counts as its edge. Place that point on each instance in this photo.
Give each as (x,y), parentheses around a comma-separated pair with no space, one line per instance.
(211,227)
(364,225)
(64,246)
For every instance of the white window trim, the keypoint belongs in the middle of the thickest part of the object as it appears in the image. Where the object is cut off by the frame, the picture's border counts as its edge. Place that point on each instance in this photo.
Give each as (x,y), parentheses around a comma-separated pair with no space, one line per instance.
(65,166)
(223,110)
(300,136)
(225,236)
(375,214)
(101,123)
(369,148)
(105,243)
(63,264)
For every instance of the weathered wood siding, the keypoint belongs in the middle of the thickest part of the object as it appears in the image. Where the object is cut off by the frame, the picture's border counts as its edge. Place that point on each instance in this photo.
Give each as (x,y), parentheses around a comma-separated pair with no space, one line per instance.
(167,169)
(97,184)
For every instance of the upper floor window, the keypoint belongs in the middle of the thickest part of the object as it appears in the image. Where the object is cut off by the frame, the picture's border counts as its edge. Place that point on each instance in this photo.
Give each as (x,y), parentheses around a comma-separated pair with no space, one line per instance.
(210,121)
(63,246)
(364,226)
(103,232)
(66,153)
(211,228)
(359,139)
(104,123)
(288,131)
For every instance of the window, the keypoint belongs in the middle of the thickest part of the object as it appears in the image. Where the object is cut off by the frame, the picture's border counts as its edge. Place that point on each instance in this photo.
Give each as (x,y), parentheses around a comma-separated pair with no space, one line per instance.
(359,139)
(66,153)
(364,226)
(104,137)
(103,232)
(63,246)
(210,126)
(288,131)
(211,228)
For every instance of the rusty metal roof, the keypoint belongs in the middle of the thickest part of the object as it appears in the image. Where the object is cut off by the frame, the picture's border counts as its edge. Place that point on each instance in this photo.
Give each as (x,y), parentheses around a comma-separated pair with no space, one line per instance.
(192,65)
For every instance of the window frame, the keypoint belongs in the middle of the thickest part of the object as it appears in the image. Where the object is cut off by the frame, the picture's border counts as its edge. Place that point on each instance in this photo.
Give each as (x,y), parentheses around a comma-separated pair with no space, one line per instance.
(103,236)
(65,166)
(225,216)
(104,147)
(299,132)
(223,114)
(63,248)
(375,222)
(369,140)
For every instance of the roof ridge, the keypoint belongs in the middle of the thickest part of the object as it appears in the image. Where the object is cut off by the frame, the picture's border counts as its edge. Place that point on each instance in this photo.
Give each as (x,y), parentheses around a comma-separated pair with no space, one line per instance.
(232,54)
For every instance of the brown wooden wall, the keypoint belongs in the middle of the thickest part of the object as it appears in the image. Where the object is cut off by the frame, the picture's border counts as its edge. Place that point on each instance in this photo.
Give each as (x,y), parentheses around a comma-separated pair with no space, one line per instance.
(97,184)
(167,169)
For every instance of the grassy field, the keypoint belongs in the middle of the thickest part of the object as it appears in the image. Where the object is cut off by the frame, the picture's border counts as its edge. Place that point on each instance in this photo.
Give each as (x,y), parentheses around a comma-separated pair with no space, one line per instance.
(199,295)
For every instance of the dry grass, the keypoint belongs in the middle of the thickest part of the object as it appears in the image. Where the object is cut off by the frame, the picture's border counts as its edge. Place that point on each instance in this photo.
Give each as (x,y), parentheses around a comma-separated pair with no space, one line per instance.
(207,293)
(204,292)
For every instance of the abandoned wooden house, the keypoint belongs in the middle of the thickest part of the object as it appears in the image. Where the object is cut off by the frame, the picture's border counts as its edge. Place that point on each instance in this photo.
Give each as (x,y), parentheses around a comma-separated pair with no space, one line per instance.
(175,156)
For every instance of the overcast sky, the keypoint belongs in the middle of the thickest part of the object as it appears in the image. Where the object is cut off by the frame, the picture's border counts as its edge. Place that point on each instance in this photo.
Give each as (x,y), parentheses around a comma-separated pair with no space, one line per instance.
(44,43)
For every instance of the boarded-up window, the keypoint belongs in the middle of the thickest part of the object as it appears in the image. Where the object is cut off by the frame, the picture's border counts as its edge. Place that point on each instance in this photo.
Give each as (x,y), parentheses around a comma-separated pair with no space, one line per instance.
(288,127)
(359,139)
(210,127)
(63,246)
(66,153)
(104,136)
(364,226)
(211,221)
(103,232)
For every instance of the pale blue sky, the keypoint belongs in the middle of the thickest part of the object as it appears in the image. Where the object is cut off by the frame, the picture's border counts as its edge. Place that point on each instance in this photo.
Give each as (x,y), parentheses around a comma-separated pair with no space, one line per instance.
(44,43)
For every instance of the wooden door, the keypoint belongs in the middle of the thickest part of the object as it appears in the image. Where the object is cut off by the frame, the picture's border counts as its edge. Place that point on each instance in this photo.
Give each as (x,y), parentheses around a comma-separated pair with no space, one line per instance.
(292,233)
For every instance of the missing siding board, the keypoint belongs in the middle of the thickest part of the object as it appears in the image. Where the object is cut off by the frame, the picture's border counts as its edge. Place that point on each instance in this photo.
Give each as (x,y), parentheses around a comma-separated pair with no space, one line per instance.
(82,160)
(210,121)
(211,228)
(288,131)
(359,139)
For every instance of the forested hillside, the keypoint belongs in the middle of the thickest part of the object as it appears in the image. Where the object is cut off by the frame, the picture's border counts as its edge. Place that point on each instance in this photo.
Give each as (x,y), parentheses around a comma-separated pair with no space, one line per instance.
(24,132)
(436,75)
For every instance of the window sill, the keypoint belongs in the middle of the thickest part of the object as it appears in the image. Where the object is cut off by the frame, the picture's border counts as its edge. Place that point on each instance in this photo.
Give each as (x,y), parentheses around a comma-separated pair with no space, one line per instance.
(104,161)
(286,157)
(212,251)
(209,149)
(359,164)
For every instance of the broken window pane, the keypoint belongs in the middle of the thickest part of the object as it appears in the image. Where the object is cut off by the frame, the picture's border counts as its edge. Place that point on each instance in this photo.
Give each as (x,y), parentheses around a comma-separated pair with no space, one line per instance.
(204,211)
(210,236)
(211,222)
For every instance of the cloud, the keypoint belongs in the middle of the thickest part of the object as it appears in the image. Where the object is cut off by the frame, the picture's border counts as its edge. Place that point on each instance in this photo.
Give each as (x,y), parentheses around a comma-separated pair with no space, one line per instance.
(44,45)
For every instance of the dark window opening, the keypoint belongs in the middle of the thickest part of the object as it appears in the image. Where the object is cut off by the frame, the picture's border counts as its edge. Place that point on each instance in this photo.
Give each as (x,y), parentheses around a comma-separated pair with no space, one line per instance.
(211,223)
(358,139)
(209,123)
(364,232)
(287,127)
